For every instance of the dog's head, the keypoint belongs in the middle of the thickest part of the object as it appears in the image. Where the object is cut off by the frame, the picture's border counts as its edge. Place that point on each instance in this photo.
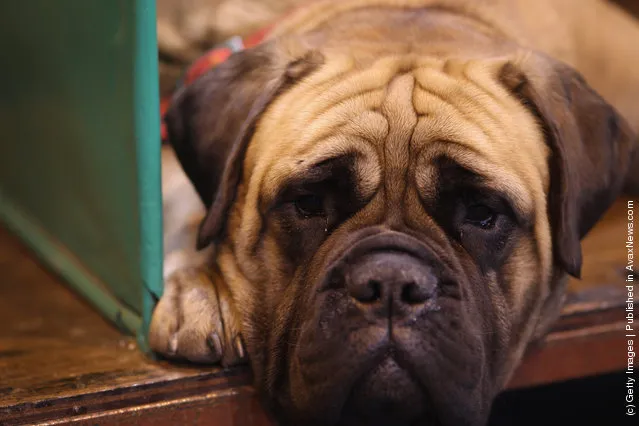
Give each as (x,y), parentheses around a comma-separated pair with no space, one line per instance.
(395,232)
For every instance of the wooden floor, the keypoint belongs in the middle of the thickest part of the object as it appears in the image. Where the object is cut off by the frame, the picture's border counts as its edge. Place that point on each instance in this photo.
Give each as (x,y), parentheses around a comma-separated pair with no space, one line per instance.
(61,363)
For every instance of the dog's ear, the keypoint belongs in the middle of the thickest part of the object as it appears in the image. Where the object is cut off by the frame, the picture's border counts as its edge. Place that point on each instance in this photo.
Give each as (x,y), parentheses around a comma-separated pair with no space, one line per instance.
(211,121)
(591,144)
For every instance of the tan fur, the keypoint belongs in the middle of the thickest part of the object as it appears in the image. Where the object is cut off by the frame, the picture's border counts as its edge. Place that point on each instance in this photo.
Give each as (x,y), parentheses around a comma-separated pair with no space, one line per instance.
(516,163)
(594,36)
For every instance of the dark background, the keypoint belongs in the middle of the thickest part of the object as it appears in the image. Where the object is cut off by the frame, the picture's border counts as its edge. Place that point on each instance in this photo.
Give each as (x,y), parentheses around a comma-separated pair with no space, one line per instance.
(598,401)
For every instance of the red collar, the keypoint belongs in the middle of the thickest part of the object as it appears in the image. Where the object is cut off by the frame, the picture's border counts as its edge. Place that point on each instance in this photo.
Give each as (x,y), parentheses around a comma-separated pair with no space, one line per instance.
(209,60)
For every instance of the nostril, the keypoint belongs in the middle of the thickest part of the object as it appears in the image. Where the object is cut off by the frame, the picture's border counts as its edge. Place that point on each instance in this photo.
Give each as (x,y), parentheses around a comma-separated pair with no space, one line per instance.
(370,292)
(385,283)
(413,294)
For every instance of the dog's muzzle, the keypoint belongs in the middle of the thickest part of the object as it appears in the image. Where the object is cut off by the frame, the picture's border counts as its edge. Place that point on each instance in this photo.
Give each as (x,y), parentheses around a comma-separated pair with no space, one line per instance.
(388,276)
(386,334)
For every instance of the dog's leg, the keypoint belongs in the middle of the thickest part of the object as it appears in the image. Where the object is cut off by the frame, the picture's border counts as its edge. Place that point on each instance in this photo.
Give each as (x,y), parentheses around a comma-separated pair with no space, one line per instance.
(195,319)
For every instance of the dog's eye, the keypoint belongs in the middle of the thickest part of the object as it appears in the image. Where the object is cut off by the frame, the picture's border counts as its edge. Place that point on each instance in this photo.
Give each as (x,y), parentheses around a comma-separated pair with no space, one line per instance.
(480,215)
(310,205)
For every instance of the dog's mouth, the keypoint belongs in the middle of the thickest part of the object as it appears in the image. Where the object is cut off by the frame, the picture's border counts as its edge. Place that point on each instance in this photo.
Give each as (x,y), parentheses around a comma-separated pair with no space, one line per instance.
(395,379)
(387,381)
(388,393)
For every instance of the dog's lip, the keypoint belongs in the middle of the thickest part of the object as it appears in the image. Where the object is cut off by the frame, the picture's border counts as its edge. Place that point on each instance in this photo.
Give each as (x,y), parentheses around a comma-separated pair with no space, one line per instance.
(403,353)
(389,359)
(394,358)
(351,377)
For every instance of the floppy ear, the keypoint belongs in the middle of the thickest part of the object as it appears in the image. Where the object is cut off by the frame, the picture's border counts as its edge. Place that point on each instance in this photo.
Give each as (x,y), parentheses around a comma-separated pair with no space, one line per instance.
(591,144)
(211,121)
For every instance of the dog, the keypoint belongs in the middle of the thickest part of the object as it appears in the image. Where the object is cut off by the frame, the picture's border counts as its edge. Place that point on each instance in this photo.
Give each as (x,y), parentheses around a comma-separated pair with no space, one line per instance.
(382,202)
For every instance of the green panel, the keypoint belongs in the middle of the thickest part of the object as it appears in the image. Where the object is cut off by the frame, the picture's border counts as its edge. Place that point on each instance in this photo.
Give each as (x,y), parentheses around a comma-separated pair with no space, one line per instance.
(68,265)
(147,126)
(75,111)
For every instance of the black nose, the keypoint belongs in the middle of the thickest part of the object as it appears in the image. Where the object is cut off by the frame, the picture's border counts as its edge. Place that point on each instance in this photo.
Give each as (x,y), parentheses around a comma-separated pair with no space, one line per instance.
(391,283)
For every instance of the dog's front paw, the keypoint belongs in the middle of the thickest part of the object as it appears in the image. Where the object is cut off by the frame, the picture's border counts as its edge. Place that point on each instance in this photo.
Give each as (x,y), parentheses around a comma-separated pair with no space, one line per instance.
(195,320)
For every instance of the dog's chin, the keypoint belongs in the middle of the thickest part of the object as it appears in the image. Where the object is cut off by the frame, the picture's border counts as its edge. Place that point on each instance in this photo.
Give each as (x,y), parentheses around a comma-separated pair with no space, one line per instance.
(403,381)
(383,392)
(387,395)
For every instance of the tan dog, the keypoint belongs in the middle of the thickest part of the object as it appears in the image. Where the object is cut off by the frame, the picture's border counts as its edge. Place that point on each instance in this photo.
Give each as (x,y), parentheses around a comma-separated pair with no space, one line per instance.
(394,195)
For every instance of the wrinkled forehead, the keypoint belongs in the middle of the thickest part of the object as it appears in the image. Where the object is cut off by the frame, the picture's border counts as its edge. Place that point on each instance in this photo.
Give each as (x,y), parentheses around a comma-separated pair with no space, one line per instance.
(402,114)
